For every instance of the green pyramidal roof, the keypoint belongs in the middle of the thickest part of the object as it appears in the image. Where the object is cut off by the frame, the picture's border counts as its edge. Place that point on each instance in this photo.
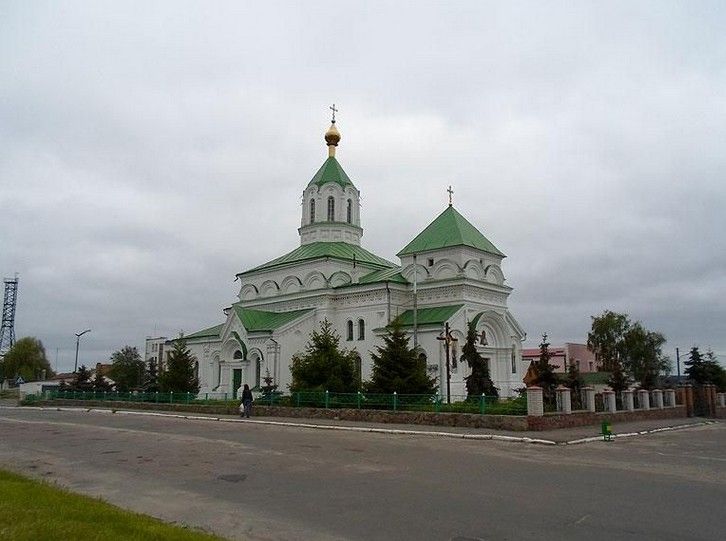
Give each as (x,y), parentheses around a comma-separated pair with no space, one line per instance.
(331,171)
(333,250)
(449,229)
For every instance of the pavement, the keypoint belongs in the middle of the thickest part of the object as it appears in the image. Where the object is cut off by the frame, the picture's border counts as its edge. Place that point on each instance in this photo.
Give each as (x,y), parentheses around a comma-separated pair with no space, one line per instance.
(264,481)
(562,436)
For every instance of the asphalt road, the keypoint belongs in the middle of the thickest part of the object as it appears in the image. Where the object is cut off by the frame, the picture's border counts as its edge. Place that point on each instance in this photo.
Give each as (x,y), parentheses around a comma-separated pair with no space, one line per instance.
(248,481)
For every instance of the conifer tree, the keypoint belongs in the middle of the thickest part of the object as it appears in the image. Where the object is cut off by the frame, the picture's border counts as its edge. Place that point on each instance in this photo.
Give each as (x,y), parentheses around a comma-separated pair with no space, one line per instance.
(479,381)
(324,366)
(575,383)
(99,382)
(696,366)
(544,372)
(179,376)
(151,377)
(396,366)
(82,380)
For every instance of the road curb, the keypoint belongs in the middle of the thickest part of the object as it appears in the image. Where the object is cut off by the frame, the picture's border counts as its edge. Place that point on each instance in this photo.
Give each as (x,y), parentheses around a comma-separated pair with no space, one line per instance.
(640,433)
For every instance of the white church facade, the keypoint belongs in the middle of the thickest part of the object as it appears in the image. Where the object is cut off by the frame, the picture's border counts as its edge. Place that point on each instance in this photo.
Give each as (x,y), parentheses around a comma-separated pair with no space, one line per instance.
(449,273)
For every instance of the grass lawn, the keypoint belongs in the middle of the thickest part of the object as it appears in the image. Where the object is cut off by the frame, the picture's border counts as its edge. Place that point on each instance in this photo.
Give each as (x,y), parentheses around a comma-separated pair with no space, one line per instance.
(35,510)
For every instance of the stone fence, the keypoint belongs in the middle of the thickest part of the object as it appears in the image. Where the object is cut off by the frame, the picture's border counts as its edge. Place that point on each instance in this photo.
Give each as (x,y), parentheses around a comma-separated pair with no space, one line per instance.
(655,404)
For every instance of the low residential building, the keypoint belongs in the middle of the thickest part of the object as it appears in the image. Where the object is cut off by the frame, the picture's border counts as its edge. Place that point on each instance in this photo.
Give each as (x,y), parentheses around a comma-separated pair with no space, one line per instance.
(563,356)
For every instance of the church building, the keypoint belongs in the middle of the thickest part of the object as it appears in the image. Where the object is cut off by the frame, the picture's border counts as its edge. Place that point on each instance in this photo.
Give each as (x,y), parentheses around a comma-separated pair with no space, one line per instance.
(449,273)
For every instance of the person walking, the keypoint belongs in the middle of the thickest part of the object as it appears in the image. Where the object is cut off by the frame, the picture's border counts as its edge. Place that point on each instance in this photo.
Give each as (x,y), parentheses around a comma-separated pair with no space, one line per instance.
(246,401)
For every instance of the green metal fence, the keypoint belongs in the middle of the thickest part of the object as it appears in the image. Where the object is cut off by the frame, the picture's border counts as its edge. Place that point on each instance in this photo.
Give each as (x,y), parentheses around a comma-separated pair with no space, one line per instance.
(322,399)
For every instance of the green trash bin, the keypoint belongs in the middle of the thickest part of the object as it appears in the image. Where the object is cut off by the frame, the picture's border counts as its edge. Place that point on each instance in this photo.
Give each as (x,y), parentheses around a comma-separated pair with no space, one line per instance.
(607,431)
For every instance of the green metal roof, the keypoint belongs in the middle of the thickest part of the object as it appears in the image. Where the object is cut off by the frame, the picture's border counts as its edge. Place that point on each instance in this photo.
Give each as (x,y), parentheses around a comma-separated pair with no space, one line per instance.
(211,332)
(384,275)
(437,315)
(331,171)
(449,229)
(333,250)
(260,320)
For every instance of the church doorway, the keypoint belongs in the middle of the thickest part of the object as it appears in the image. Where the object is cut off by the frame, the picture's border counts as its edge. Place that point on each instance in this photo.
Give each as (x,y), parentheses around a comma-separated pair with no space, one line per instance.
(236,381)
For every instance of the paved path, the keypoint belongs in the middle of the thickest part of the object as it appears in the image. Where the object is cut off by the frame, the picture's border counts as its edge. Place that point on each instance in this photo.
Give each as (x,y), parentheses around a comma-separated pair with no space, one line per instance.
(258,481)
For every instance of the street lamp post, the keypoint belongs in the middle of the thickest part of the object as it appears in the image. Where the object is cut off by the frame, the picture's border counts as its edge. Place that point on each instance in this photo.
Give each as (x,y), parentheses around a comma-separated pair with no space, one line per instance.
(448,340)
(78,341)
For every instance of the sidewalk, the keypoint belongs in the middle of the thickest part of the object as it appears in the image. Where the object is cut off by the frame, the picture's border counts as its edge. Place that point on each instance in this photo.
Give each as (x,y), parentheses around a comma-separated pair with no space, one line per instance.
(563,436)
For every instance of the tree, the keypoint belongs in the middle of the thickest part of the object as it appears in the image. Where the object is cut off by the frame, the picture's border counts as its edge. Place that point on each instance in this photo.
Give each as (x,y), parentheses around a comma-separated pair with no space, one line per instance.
(324,366)
(26,359)
(396,366)
(575,382)
(716,372)
(606,338)
(127,369)
(642,355)
(99,383)
(179,376)
(81,380)
(151,377)
(545,372)
(479,381)
(705,369)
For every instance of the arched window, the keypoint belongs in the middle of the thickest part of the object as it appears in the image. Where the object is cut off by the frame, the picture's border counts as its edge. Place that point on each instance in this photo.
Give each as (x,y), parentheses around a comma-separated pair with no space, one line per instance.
(196,369)
(349,212)
(514,360)
(361,329)
(349,335)
(312,211)
(258,369)
(237,355)
(331,209)
(422,360)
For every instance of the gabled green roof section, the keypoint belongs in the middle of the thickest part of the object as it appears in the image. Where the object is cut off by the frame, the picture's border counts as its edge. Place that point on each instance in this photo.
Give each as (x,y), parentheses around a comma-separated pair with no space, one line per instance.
(437,315)
(331,171)
(449,229)
(262,321)
(211,332)
(320,250)
(383,275)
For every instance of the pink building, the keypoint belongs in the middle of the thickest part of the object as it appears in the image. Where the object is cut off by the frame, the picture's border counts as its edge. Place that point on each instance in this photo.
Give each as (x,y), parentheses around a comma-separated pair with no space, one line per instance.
(578,354)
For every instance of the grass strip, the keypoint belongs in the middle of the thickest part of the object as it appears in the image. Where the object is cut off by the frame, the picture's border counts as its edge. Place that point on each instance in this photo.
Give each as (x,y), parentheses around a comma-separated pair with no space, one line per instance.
(35,510)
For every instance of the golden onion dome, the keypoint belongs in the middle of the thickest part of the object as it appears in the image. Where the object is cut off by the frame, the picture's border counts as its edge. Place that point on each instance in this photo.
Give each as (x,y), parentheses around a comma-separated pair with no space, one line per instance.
(332,136)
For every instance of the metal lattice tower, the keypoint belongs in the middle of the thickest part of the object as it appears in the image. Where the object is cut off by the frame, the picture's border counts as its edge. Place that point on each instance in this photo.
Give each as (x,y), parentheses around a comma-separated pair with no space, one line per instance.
(10,300)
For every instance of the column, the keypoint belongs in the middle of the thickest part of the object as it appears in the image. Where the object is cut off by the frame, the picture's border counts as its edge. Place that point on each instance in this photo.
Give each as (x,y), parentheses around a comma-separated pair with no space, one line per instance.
(628,400)
(535,404)
(644,399)
(589,398)
(657,396)
(564,401)
(608,397)
(688,399)
(670,395)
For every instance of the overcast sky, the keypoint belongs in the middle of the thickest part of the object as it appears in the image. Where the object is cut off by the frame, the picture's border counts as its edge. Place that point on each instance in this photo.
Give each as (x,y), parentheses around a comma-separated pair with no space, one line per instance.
(150,151)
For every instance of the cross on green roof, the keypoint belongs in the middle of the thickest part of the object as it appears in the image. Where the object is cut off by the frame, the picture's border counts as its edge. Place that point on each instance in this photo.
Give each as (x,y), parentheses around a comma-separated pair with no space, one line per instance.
(449,229)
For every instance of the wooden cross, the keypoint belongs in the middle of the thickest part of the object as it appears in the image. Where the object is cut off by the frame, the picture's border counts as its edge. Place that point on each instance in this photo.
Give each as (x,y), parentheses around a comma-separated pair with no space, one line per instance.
(332,108)
(451,192)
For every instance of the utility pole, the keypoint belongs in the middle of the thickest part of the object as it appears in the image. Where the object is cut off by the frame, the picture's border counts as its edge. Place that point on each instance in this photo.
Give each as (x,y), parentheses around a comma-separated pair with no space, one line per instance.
(678,364)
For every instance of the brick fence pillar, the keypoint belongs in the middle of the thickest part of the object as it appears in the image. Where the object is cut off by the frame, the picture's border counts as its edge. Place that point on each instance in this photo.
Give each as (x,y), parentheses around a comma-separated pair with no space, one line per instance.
(535,403)
(628,400)
(688,399)
(608,398)
(722,400)
(589,398)
(711,397)
(644,399)
(670,397)
(564,400)
(657,399)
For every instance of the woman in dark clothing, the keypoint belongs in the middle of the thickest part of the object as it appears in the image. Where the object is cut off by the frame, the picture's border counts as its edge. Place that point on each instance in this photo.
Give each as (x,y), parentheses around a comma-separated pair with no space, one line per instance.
(246,401)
